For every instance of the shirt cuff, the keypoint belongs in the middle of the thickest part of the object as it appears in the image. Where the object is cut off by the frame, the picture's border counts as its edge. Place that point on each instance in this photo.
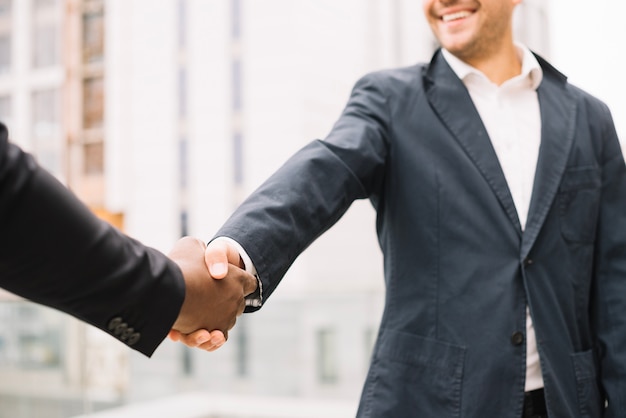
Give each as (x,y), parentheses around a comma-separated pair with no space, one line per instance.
(255,299)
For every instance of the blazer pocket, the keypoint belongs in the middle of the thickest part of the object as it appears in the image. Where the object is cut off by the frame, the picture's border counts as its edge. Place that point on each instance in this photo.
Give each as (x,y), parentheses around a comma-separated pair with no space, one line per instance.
(411,374)
(588,391)
(579,203)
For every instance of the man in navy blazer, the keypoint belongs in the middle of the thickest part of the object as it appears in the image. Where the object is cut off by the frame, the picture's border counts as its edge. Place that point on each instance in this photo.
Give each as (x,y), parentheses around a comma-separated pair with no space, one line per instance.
(500,192)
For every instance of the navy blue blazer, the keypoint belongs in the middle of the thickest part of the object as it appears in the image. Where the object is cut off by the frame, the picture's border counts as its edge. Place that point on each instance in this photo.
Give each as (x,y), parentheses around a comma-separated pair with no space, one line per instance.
(459,271)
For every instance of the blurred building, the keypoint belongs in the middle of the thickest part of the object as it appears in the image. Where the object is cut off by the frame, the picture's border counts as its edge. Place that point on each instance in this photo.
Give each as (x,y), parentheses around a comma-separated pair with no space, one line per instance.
(162,115)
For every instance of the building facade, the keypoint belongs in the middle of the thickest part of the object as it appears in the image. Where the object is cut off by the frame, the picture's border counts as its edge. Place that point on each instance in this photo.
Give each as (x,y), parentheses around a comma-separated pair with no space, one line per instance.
(162,115)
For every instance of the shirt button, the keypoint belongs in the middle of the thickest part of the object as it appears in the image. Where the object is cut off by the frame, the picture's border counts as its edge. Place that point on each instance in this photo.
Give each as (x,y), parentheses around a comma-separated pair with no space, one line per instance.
(517,338)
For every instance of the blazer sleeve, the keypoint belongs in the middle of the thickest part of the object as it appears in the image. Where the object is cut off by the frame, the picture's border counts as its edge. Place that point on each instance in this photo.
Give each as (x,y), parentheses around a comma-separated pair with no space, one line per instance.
(609,307)
(55,252)
(314,188)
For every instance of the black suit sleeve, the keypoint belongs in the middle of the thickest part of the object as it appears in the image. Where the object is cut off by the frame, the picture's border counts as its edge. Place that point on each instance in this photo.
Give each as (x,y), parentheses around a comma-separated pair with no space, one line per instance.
(54,251)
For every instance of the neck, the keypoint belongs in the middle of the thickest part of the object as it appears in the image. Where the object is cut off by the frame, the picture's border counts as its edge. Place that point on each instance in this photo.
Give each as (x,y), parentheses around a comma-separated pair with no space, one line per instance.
(499,66)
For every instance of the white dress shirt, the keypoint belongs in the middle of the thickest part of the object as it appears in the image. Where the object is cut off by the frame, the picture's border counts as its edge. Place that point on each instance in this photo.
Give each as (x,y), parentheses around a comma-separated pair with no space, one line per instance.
(510,113)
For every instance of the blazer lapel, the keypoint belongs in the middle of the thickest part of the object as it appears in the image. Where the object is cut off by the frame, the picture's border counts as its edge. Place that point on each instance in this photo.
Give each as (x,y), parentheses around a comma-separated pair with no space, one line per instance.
(558,118)
(451,101)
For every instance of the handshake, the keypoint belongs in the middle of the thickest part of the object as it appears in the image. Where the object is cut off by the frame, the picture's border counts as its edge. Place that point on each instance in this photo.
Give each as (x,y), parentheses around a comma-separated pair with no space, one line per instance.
(216,288)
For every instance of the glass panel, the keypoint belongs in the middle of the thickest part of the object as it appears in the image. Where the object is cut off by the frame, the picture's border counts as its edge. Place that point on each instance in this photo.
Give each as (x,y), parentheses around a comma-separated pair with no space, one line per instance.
(46,33)
(183,162)
(45,45)
(5,111)
(47,133)
(93,35)
(182,93)
(182,23)
(94,158)
(238,158)
(5,7)
(326,356)
(93,102)
(31,336)
(44,4)
(5,53)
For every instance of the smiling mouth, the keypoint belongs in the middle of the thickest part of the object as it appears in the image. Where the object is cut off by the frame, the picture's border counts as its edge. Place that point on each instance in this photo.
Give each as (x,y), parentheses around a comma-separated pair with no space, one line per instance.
(455,16)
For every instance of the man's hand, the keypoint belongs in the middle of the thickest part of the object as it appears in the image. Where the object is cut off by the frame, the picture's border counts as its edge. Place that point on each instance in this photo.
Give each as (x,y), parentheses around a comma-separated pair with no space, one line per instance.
(209,304)
(220,258)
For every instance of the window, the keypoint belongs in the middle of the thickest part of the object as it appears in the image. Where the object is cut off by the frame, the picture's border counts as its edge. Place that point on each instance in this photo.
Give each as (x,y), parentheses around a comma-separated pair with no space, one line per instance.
(46,112)
(93,158)
(237,85)
(5,7)
(47,134)
(5,111)
(369,342)
(187,361)
(44,4)
(183,161)
(238,158)
(182,23)
(5,36)
(46,45)
(93,32)
(93,102)
(243,361)
(31,336)
(236,19)
(327,367)
(46,33)
(182,93)
(5,53)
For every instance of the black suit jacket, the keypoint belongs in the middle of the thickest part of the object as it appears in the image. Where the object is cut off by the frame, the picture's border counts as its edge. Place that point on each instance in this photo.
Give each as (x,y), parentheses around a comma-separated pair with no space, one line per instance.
(54,251)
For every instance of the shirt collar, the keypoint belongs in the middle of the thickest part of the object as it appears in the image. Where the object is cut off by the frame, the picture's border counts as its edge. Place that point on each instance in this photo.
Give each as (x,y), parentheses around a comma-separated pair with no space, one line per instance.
(530,66)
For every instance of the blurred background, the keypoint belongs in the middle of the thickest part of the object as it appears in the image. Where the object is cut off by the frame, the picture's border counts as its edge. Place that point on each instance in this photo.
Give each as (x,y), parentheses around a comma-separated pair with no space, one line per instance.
(162,115)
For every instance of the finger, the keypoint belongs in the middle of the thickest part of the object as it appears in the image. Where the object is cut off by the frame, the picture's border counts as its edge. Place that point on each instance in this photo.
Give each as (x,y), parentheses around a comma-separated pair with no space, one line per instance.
(174,335)
(218,255)
(217,338)
(196,338)
(210,346)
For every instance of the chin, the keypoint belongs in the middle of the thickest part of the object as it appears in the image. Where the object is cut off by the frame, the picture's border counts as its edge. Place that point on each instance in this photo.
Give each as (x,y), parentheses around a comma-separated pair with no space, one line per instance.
(453,48)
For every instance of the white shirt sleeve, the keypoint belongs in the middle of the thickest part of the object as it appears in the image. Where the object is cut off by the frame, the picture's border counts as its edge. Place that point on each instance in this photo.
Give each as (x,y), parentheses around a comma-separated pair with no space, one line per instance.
(254,300)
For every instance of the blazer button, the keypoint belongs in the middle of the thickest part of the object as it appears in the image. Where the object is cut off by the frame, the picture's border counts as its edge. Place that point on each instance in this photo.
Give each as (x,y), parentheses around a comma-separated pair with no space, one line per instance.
(120,329)
(134,338)
(114,323)
(528,261)
(127,333)
(517,338)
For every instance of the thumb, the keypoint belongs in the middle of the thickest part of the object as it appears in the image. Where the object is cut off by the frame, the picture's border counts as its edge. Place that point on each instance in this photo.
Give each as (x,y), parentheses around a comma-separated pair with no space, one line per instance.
(218,255)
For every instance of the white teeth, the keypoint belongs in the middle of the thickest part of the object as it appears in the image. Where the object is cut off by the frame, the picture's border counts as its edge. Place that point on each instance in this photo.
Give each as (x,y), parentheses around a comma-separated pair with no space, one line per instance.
(454,16)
